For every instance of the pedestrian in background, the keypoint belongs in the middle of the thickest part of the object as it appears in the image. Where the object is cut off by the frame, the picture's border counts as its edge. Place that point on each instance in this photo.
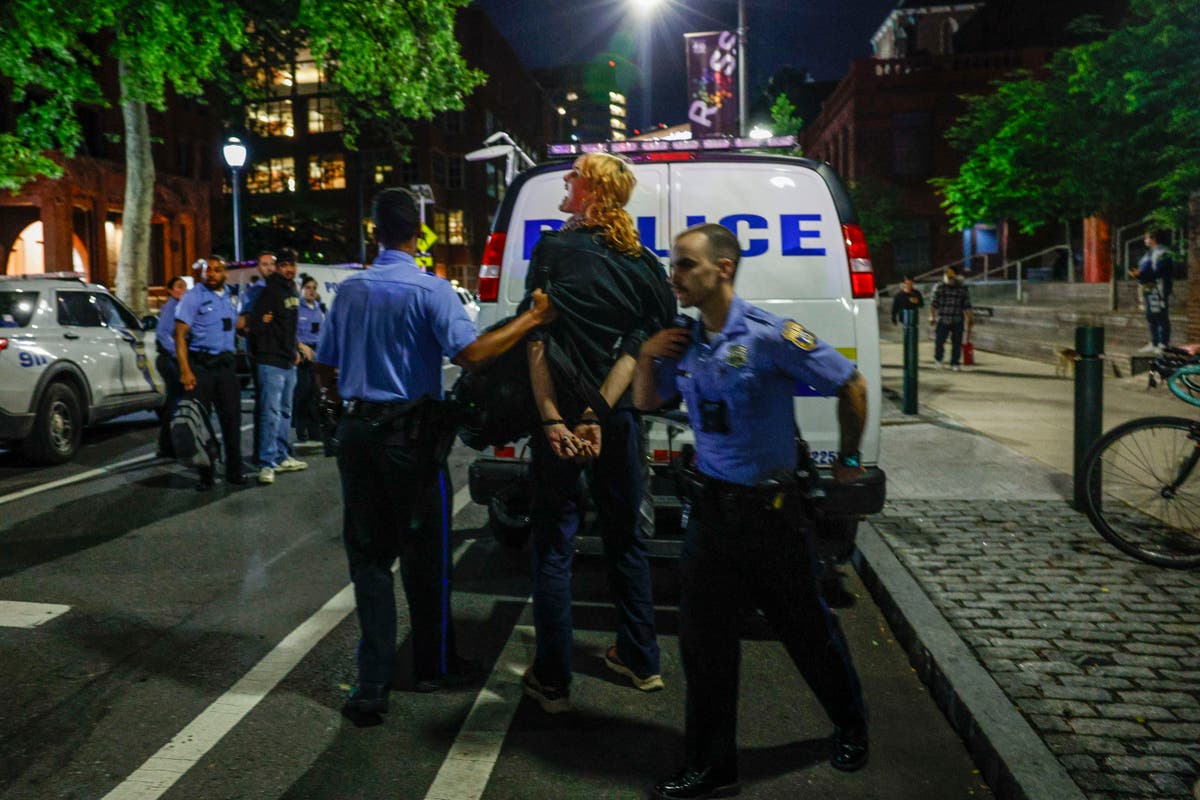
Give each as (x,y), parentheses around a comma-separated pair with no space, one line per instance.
(272,336)
(308,332)
(266,265)
(908,298)
(611,294)
(167,364)
(381,351)
(749,540)
(1156,274)
(205,326)
(949,311)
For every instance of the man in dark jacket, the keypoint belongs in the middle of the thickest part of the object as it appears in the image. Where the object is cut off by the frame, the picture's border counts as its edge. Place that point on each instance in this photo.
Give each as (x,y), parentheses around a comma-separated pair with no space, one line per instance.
(612,294)
(909,297)
(273,341)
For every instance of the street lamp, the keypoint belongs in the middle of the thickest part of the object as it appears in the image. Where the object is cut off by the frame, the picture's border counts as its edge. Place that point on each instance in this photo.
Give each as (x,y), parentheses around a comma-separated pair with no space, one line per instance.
(235,153)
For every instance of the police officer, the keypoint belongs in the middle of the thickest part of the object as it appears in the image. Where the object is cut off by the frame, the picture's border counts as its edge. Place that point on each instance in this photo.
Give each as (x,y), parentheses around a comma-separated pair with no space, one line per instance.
(748,541)
(381,352)
(205,325)
(168,366)
(308,333)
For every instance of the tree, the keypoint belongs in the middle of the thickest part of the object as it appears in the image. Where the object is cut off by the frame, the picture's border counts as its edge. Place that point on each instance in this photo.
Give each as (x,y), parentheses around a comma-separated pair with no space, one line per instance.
(1110,125)
(390,57)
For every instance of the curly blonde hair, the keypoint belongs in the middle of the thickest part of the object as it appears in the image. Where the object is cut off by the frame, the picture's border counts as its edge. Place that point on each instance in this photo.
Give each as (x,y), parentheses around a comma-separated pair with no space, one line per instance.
(610,183)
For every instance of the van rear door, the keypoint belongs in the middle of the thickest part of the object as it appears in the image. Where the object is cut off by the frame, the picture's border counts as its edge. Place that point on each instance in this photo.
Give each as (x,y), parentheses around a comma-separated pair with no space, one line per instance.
(794,264)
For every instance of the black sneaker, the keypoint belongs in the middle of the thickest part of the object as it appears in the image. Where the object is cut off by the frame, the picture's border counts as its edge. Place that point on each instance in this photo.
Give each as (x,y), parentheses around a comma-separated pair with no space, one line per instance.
(551,699)
(366,705)
(849,749)
(463,672)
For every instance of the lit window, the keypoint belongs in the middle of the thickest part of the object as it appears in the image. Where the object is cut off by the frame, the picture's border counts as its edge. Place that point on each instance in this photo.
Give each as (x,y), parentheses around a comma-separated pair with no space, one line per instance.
(616,111)
(327,172)
(616,97)
(383,174)
(617,136)
(455,228)
(616,124)
(324,116)
(271,118)
(572,97)
(309,79)
(439,225)
(271,175)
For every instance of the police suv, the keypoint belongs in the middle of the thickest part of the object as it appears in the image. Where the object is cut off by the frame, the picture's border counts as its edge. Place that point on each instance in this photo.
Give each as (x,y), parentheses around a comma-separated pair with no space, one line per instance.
(71,355)
(804,257)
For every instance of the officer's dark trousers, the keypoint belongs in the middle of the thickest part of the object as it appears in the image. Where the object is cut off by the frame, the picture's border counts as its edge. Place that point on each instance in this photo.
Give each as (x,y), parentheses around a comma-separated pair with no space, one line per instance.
(739,556)
(396,504)
(217,387)
(953,330)
(617,483)
(168,370)
(304,405)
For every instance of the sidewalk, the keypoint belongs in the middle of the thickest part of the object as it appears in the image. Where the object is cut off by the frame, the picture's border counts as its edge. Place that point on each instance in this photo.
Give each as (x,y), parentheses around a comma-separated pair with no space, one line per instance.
(1070,671)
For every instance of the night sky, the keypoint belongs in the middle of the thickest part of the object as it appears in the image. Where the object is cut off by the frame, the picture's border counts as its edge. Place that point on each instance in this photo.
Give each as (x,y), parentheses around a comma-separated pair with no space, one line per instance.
(823,36)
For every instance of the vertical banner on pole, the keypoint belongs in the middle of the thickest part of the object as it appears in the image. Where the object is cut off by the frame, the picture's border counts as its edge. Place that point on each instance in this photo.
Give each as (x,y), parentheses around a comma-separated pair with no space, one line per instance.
(712,60)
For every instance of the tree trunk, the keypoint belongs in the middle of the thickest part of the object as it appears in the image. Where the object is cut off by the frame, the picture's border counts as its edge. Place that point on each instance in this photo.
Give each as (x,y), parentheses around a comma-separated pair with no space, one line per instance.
(133,268)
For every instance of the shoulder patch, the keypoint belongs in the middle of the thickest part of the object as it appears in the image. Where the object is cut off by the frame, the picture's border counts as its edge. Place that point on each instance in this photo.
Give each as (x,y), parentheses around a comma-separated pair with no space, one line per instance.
(798,335)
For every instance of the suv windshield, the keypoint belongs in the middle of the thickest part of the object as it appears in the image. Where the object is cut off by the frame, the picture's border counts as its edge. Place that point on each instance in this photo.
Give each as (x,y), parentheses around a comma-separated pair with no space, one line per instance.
(16,308)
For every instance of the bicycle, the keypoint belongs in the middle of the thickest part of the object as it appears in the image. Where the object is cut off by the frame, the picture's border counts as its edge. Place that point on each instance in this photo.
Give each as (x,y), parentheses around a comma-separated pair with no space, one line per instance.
(1143,486)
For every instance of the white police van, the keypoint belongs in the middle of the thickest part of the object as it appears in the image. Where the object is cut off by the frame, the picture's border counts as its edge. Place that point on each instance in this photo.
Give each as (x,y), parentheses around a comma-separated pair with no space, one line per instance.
(803,257)
(71,355)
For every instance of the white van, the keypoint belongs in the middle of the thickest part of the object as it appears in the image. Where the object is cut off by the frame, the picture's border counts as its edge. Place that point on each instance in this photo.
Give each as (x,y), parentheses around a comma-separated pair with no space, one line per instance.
(804,257)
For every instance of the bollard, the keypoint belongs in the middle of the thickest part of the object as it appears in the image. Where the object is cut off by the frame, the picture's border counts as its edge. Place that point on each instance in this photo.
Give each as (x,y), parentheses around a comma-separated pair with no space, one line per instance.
(1089,401)
(911,338)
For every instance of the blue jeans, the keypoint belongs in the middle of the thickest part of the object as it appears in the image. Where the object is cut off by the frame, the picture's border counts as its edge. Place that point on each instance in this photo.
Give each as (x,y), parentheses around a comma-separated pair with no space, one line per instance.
(1160,326)
(275,386)
(617,484)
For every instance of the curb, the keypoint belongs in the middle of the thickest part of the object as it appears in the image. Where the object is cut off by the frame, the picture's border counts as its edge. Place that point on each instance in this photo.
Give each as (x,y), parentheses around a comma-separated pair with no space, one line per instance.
(1013,759)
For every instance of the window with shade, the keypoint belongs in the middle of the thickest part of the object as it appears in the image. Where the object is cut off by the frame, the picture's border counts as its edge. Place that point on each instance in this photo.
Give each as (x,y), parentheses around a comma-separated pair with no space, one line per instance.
(271,175)
(324,116)
(456,233)
(327,172)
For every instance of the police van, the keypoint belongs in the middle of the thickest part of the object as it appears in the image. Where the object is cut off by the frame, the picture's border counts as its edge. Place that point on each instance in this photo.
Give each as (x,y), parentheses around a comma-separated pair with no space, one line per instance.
(804,257)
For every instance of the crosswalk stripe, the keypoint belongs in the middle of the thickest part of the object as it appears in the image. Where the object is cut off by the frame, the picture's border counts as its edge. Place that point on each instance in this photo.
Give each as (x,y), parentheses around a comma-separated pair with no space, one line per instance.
(15,614)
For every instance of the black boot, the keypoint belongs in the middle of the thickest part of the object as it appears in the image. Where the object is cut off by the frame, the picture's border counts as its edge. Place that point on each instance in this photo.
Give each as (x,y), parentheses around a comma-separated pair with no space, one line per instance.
(849,749)
(697,783)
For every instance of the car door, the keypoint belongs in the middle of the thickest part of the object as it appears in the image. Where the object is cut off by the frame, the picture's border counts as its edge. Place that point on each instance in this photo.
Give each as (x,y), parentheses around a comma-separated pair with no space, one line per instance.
(137,374)
(89,343)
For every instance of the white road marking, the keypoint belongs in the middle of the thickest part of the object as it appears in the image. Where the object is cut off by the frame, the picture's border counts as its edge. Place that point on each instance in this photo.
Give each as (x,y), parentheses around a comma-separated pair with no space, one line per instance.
(468,766)
(14,614)
(461,498)
(83,476)
(160,772)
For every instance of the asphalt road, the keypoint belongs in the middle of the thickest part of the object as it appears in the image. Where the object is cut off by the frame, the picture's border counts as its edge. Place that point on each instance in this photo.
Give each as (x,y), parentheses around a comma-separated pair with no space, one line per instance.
(209,643)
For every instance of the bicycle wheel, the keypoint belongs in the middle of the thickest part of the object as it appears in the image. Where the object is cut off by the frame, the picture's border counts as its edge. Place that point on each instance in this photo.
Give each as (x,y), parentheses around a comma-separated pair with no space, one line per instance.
(1143,490)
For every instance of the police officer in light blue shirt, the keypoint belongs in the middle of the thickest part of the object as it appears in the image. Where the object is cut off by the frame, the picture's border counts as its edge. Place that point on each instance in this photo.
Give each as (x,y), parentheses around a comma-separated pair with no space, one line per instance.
(381,351)
(167,365)
(310,320)
(749,541)
(205,325)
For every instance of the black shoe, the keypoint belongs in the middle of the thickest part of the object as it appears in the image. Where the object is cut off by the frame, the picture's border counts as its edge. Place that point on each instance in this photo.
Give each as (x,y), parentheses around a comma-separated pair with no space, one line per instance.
(206,479)
(463,672)
(236,479)
(695,783)
(366,705)
(849,749)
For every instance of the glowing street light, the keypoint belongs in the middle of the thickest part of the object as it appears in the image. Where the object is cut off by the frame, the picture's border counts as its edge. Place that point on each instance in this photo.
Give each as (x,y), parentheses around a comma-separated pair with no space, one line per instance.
(235,154)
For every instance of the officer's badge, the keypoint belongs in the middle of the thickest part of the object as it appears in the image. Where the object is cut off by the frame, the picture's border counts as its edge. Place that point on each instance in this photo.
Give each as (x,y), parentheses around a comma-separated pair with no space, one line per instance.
(798,335)
(736,355)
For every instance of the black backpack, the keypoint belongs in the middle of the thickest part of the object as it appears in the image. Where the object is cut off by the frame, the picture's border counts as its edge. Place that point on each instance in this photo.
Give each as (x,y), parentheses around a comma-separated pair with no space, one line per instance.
(192,434)
(495,406)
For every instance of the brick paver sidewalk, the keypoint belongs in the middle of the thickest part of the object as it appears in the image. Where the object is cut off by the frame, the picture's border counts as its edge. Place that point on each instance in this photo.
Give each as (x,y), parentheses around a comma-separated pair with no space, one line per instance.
(1101,654)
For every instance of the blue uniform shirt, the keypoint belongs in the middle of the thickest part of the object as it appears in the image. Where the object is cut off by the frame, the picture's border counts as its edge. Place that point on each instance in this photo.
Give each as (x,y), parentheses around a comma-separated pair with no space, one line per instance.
(250,294)
(388,328)
(164,333)
(754,366)
(308,326)
(212,318)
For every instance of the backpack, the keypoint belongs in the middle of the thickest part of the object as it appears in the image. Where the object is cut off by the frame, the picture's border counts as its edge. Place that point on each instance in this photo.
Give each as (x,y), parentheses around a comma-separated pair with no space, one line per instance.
(495,404)
(192,434)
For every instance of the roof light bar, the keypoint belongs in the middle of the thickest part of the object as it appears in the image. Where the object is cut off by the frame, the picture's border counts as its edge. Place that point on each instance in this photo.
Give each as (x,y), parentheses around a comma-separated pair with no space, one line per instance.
(664,145)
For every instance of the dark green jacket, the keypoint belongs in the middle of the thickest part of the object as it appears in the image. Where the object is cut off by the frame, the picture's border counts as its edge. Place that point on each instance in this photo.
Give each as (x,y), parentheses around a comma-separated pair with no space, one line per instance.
(608,303)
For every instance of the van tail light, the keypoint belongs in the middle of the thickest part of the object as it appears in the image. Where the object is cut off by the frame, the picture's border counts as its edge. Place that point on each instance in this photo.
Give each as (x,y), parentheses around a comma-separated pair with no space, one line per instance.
(505,452)
(862,274)
(3,343)
(489,270)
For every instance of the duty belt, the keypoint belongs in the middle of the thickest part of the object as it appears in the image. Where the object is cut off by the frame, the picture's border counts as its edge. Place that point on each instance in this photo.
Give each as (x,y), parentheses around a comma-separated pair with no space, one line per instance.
(357,407)
(732,496)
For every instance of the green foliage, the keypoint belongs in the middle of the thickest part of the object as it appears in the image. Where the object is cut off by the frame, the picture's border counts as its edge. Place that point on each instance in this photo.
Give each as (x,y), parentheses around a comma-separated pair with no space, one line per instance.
(879,211)
(1110,126)
(783,114)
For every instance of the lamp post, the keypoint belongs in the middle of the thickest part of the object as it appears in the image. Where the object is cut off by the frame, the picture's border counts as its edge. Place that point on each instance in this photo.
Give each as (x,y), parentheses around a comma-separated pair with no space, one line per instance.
(235,153)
